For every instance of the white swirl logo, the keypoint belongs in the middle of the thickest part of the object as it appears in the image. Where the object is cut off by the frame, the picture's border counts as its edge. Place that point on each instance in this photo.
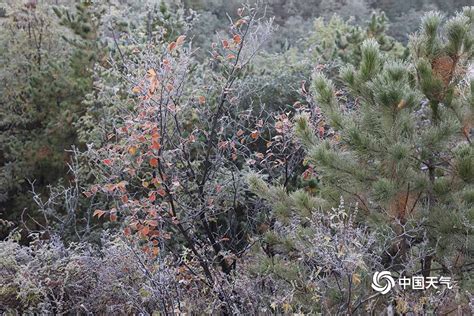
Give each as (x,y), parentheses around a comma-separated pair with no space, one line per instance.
(383,277)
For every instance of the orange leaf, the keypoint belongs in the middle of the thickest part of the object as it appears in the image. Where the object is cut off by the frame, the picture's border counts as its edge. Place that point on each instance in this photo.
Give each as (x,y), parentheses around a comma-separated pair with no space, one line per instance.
(231,56)
(202,99)
(180,40)
(225,43)
(151,73)
(154,162)
(132,150)
(136,89)
(155,135)
(171,46)
(145,230)
(155,145)
(254,134)
(156,251)
(240,22)
(98,213)
(237,39)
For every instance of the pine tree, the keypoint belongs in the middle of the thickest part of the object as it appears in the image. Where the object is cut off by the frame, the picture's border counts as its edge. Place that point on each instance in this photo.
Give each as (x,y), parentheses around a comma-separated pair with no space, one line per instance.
(46,80)
(401,151)
(405,153)
(339,39)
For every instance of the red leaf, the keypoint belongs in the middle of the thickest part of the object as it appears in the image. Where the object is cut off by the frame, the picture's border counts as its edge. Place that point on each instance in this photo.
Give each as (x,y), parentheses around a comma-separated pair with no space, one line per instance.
(113,217)
(154,162)
(161,192)
(155,145)
(153,223)
(124,199)
(237,39)
(145,230)
(107,162)
(171,46)
(321,131)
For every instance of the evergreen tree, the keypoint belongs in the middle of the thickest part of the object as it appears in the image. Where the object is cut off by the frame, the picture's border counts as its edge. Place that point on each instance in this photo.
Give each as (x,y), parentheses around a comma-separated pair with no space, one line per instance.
(405,151)
(401,151)
(339,39)
(46,80)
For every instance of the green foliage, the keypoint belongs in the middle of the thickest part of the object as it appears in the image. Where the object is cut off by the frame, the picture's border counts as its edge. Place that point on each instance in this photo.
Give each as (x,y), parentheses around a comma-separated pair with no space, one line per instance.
(357,152)
(399,149)
(45,84)
(410,161)
(339,39)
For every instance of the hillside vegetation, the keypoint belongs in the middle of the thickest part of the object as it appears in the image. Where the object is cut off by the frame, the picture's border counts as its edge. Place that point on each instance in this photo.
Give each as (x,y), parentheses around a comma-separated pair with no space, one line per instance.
(213,157)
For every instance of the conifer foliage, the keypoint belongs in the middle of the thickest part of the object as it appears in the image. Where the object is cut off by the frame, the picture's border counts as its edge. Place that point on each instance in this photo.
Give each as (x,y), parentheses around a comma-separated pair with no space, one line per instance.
(232,178)
(401,151)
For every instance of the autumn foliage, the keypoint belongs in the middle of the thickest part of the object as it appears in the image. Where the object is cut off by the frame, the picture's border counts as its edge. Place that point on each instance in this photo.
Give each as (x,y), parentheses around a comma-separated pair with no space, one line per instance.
(230,179)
